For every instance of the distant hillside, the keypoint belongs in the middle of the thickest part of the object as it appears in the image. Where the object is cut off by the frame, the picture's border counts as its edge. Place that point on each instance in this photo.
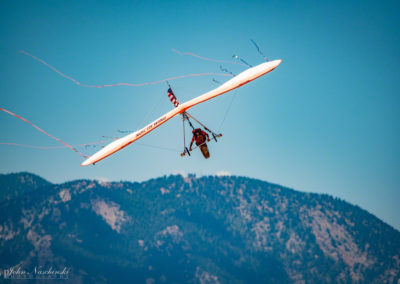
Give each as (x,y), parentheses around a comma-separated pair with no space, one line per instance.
(13,185)
(192,230)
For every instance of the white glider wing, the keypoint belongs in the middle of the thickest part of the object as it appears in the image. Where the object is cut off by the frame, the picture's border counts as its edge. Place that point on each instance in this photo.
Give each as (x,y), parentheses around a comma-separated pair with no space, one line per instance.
(237,81)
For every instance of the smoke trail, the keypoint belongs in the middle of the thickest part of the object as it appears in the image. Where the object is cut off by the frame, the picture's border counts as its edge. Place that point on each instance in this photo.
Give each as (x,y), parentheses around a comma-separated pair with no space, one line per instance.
(125,131)
(216,81)
(205,58)
(118,84)
(259,51)
(41,130)
(226,70)
(238,58)
(53,147)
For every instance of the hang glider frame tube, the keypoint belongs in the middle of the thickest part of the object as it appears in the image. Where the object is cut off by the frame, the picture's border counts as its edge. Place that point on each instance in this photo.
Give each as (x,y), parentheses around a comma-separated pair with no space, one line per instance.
(237,81)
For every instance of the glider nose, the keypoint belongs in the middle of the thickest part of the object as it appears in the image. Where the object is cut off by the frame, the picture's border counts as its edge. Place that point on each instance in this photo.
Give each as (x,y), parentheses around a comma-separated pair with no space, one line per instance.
(85,163)
(277,62)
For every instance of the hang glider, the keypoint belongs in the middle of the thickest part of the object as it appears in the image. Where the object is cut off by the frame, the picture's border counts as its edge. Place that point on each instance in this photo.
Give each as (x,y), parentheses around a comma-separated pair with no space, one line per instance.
(237,81)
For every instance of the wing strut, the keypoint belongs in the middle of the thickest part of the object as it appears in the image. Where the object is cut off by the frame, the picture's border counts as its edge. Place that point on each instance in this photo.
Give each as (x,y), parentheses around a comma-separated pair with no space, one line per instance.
(186,117)
(185,149)
(215,136)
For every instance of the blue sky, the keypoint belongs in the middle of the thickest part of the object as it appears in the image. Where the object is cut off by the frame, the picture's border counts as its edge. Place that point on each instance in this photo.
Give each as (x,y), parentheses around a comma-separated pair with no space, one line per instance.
(326,120)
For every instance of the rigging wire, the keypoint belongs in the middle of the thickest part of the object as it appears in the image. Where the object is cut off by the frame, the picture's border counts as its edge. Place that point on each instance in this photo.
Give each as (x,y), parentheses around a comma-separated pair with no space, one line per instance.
(156,105)
(145,144)
(228,109)
(158,147)
(205,127)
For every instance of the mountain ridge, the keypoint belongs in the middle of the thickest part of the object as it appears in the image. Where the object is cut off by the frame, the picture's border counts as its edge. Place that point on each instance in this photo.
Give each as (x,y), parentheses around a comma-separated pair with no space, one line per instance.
(177,229)
(15,184)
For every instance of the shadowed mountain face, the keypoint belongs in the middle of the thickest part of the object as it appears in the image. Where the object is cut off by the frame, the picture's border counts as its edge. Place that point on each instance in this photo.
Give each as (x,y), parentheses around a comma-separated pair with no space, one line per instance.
(13,185)
(191,230)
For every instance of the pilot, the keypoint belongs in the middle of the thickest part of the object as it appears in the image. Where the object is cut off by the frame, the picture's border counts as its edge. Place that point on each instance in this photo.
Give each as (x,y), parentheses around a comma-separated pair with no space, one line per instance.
(200,136)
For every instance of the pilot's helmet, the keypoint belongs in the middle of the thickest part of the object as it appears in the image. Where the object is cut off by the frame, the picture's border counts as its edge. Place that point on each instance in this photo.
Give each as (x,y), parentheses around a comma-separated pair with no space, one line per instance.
(197,130)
